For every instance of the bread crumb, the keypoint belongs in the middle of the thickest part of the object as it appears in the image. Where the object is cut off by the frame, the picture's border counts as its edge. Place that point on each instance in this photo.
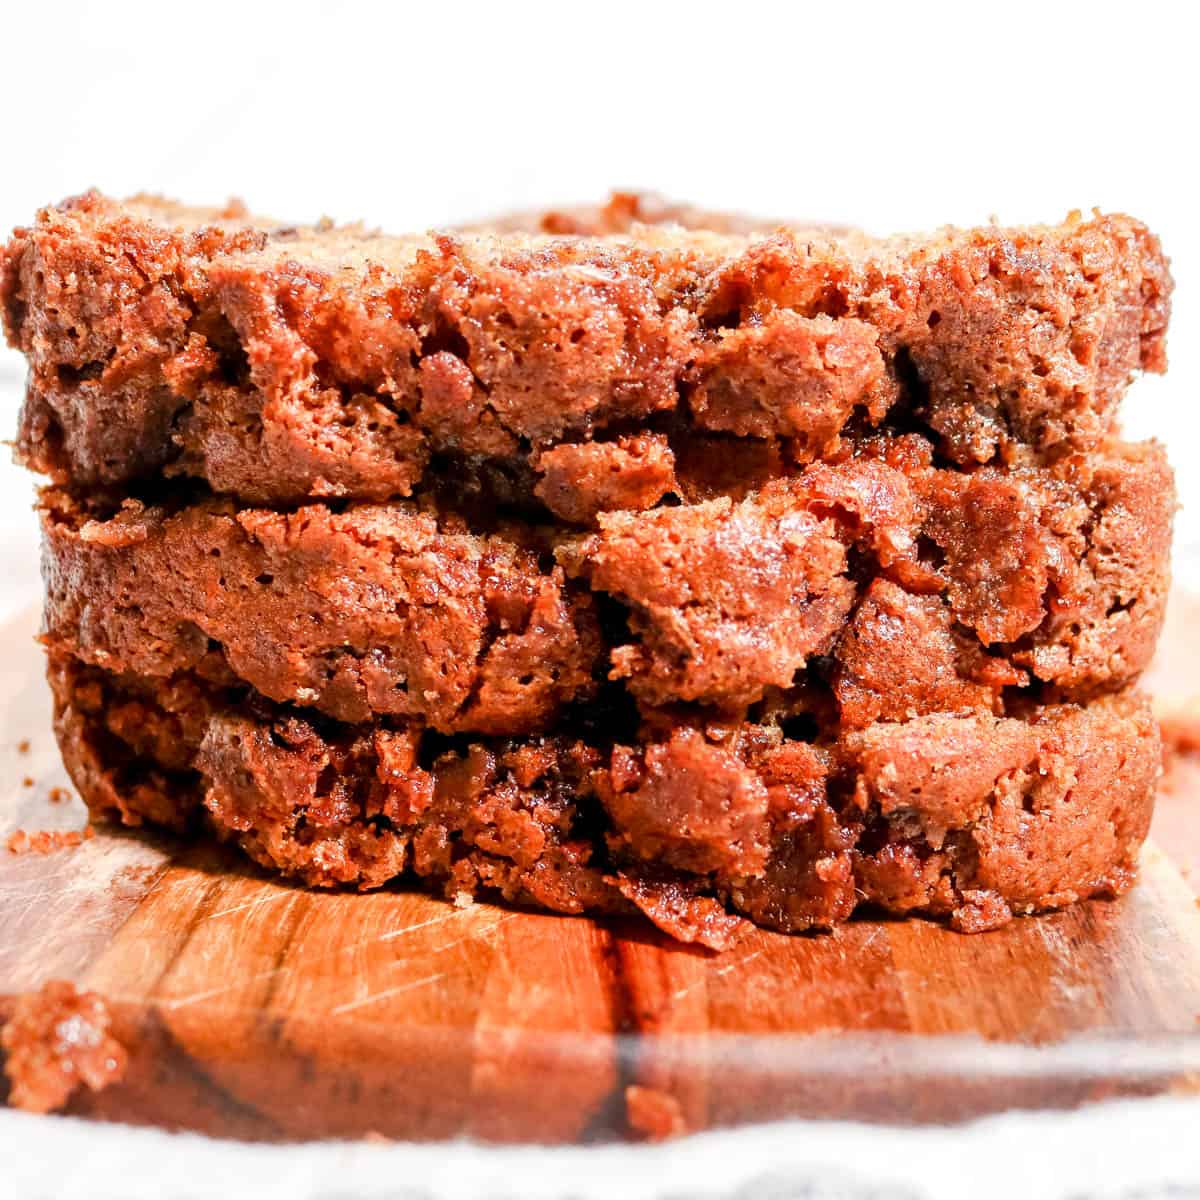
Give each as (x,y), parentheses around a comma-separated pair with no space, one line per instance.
(653,1114)
(57,795)
(23,746)
(45,841)
(980,911)
(27,781)
(57,1040)
(1179,727)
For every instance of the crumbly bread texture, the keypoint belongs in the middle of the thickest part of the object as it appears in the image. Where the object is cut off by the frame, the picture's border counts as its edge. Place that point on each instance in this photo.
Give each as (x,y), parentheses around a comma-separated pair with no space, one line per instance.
(281,364)
(876,588)
(378,609)
(971,817)
(56,1042)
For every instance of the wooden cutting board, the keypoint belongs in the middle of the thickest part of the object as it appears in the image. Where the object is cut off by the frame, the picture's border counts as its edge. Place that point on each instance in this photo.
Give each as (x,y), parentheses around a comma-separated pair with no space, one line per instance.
(256,1009)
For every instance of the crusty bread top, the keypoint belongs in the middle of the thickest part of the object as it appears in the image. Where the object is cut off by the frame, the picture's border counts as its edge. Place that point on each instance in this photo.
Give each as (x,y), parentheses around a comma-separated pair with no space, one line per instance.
(355,245)
(664,236)
(627,221)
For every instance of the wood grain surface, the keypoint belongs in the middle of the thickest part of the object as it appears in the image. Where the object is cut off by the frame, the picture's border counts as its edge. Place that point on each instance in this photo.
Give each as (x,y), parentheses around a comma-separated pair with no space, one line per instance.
(257,1009)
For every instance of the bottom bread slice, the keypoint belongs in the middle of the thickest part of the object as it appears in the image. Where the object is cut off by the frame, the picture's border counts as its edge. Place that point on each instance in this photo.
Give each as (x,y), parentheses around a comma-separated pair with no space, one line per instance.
(700,827)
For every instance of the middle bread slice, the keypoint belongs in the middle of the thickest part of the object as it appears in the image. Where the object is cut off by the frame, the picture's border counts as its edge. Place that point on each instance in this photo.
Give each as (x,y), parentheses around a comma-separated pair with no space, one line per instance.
(875,587)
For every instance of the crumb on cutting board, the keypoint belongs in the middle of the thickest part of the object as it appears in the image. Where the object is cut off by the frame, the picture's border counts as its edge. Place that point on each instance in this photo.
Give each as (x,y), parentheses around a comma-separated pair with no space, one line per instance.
(653,1114)
(56,1041)
(1180,727)
(46,841)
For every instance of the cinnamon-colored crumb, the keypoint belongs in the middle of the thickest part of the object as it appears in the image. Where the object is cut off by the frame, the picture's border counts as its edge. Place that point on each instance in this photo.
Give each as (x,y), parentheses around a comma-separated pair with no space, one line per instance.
(57,795)
(980,912)
(925,589)
(23,746)
(27,781)
(58,1039)
(653,1114)
(1180,728)
(45,841)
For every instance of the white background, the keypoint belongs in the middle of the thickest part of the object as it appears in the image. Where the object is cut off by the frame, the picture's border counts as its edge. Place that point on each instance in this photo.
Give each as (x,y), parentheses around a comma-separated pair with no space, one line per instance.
(894,117)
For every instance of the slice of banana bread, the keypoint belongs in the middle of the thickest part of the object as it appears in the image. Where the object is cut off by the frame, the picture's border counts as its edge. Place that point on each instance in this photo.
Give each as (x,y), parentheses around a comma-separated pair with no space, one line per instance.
(971,817)
(895,587)
(280,363)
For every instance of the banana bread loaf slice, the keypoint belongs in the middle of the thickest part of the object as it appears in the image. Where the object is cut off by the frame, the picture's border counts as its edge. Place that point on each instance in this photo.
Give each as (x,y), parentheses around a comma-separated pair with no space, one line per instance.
(893,586)
(972,817)
(281,363)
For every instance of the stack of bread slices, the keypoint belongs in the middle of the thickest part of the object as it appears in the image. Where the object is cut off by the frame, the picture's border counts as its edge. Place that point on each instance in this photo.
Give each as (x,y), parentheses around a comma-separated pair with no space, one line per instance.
(632,558)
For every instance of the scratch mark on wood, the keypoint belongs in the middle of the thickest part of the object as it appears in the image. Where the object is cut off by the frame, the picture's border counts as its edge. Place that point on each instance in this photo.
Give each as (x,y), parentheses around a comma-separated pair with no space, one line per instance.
(256,902)
(408,986)
(438,920)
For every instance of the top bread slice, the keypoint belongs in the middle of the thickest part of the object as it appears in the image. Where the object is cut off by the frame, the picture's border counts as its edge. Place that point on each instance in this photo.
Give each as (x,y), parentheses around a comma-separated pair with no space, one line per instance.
(279,363)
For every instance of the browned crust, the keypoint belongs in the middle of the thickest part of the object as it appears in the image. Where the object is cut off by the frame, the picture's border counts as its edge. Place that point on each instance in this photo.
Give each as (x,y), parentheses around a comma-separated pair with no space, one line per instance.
(973,818)
(283,364)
